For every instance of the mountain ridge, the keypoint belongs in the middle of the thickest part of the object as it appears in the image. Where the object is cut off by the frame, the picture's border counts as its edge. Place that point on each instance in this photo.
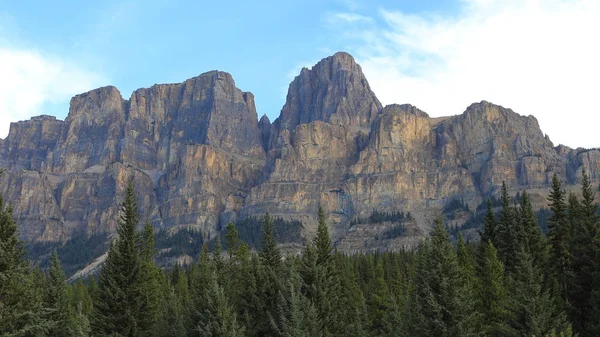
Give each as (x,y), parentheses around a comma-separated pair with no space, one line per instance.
(201,157)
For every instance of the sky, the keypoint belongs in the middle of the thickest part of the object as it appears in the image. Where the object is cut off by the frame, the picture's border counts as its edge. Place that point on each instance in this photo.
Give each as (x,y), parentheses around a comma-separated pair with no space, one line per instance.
(538,57)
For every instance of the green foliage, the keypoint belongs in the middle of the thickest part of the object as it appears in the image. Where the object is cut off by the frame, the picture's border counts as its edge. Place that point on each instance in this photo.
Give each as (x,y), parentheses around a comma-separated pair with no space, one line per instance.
(558,237)
(585,256)
(21,306)
(56,299)
(74,255)
(532,308)
(126,290)
(379,217)
(442,303)
(508,233)
(490,291)
(440,290)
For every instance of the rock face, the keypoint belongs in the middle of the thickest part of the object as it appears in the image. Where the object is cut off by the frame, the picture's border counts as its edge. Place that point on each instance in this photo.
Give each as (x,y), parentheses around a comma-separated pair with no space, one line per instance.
(200,157)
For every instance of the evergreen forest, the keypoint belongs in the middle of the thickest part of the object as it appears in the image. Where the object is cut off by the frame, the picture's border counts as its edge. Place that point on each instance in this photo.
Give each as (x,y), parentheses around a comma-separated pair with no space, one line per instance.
(517,280)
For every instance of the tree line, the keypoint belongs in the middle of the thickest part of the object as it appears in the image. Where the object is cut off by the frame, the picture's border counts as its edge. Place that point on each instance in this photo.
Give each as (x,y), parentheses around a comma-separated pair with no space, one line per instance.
(515,281)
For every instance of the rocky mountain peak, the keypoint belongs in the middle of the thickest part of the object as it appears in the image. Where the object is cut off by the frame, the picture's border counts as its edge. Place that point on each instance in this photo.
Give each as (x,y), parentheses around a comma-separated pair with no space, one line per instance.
(96,103)
(334,90)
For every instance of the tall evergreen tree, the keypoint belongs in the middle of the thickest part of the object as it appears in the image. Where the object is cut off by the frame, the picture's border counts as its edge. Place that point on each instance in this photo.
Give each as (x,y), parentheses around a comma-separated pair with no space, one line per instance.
(465,260)
(21,310)
(320,282)
(491,293)
(533,310)
(489,225)
(508,234)
(199,279)
(585,255)
(231,240)
(442,303)
(218,318)
(558,237)
(119,298)
(380,305)
(270,254)
(171,321)
(151,284)
(533,240)
(56,299)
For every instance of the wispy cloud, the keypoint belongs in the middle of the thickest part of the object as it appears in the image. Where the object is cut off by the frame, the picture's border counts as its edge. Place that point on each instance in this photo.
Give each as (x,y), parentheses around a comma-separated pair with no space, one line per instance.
(29,79)
(350,17)
(537,57)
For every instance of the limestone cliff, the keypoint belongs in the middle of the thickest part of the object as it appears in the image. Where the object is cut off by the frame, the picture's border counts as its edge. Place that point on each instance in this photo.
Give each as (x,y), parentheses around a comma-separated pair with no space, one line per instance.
(201,158)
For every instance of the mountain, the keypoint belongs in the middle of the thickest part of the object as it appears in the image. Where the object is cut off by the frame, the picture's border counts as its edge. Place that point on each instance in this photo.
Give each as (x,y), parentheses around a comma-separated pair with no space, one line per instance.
(201,158)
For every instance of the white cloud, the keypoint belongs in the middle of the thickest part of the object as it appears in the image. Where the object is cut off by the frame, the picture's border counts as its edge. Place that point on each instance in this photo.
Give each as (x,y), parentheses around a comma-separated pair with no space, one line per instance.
(536,57)
(30,79)
(350,17)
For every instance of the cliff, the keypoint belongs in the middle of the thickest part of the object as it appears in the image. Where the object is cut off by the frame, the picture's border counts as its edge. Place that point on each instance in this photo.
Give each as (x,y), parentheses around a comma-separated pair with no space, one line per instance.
(201,158)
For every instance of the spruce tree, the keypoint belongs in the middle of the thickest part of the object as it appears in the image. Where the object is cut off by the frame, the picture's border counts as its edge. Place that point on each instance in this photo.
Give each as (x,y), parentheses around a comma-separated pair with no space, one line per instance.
(56,299)
(508,234)
(270,255)
(151,280)
(465,260)
(380,305)
(532,308)
(171,321)
(21,310)
(442,303)
(352,318)
(585,255)
(218,318)
(295,314)
(231,240)
(533,240)
(269,280)
(489,225)
(318,273)
(119,299)
(491,294)
(558,237)
(199,280)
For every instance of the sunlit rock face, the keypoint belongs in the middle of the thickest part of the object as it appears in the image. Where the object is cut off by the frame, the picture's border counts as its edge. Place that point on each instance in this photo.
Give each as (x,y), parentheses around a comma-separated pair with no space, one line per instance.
(200,157)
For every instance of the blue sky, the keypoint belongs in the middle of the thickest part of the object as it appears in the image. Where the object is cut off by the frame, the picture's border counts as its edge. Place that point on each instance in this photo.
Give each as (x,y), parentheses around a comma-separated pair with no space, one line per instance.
(439,55)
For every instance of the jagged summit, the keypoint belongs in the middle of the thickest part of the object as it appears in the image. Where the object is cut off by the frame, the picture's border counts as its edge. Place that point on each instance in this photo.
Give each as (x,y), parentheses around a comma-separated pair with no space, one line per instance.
(201,157)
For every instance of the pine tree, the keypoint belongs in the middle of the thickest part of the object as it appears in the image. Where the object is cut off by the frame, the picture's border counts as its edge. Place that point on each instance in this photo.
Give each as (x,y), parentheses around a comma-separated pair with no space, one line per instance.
(380,305)
(21,310)
(558,237)
(442,302)
(80,296)
(532,309)
(491,293)
(270,255)
(507,232)
(151,279)
(295,316)
(534,241)
(489,225)
(465,260)
(56,299)
(318,273)
(351,302)
(171,321)
(585,255)
(199,280)
(218,263)
(218,319)
(118,302)
(269,279)
(231,240)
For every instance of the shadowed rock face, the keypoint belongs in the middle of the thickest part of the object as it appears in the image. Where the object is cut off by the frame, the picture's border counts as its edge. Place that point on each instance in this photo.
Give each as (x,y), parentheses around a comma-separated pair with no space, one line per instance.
(200,157)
